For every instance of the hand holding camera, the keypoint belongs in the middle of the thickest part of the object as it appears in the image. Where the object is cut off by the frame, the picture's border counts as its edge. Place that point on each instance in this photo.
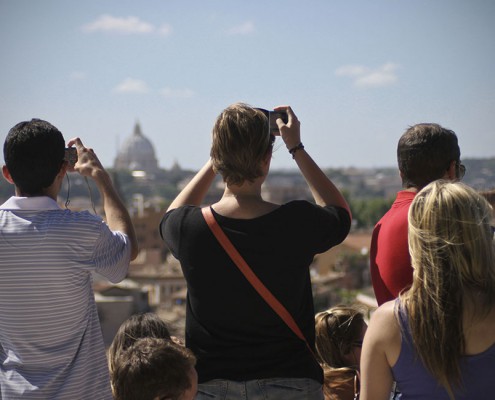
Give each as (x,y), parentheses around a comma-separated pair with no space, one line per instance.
(289,131)
(87,163)
(272,119)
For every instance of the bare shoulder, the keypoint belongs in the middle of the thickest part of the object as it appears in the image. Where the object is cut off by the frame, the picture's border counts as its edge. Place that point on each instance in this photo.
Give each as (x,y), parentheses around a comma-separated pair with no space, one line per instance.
(385,314)
(381,348)
(384,331)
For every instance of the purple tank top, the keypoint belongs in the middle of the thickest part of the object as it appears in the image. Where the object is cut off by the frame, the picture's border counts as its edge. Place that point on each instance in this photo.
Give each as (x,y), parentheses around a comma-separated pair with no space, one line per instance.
(415,382)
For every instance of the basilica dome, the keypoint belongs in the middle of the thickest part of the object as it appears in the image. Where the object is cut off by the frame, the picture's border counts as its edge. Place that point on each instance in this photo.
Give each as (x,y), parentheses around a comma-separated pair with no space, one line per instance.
(137,154)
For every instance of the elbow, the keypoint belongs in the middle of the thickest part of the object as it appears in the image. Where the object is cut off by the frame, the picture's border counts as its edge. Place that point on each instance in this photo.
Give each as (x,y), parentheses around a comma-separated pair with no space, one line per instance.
(134,252)
(350,214)
(346,220)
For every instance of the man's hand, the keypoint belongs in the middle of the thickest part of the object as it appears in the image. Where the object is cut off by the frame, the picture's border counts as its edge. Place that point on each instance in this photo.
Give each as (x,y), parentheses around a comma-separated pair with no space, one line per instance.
(88,163)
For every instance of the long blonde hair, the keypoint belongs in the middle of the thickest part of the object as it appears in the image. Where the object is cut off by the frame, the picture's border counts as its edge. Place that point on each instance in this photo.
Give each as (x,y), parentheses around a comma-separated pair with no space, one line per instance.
(453,256)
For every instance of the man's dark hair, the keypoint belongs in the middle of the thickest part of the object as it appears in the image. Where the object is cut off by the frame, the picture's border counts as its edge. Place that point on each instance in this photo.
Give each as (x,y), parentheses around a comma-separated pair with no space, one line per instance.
(424,154)
(33,152)
(153,368)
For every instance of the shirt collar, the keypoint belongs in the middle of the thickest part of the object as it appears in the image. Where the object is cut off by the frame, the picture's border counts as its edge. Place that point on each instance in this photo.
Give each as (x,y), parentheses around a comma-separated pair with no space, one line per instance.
(36,203)
(406,194)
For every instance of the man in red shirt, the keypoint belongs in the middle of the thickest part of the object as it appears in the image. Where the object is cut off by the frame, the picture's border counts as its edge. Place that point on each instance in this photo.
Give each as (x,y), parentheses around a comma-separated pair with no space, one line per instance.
(426,152)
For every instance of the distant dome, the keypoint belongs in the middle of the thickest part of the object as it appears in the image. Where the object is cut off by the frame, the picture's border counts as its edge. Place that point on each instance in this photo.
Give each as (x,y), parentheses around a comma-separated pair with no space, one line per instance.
(137,153)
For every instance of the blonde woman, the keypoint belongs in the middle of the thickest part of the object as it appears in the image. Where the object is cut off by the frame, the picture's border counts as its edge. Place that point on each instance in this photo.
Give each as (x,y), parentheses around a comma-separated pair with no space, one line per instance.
(339,338)
(438,339)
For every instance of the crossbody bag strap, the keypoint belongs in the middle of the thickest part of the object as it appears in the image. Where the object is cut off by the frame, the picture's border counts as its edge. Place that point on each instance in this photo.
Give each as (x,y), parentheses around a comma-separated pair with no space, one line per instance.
(263,291)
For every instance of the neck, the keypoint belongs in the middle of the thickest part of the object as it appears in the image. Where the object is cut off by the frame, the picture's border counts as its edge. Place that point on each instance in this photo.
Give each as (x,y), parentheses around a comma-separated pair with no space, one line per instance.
(50,194)
(51,191)
(241,195)
(247,191)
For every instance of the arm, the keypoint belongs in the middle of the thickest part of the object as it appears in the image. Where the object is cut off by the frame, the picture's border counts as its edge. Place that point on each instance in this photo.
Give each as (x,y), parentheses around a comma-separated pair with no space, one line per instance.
(196,189)
(117,216)
(381,350)
(324,191)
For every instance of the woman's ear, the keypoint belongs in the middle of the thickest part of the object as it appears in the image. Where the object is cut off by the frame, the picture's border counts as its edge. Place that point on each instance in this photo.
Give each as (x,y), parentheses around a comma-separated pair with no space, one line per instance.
(6,174)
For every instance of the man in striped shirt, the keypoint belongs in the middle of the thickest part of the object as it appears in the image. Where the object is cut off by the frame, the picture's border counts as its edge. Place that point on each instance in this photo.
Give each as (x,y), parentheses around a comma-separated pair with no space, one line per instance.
(51,346)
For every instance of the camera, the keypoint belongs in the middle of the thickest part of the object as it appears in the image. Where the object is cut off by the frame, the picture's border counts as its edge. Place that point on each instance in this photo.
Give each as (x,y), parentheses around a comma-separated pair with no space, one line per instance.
(272,118)
(71,155)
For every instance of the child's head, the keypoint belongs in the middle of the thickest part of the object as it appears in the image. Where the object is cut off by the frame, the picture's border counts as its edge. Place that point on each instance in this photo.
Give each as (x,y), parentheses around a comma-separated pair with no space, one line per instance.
(339,336)
(155,369)
(136,327)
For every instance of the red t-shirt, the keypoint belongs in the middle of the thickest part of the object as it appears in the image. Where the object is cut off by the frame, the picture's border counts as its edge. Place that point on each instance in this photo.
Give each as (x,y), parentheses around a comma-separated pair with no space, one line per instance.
(390,263)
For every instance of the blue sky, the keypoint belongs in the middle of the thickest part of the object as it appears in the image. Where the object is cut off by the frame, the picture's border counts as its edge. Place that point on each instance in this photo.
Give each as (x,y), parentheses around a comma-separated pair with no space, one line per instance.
(357,73)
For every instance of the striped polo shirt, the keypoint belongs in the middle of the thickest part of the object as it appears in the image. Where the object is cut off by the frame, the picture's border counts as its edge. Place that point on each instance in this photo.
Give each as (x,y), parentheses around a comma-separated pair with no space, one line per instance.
(51,345)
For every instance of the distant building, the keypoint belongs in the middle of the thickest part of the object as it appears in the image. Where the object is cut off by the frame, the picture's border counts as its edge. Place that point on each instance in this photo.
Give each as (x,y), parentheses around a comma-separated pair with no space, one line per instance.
(146,226)
(116,303)
(137,154)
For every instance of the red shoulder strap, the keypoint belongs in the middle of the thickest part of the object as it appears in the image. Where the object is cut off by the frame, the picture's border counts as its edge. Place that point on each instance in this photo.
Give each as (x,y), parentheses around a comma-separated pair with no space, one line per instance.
(251,276)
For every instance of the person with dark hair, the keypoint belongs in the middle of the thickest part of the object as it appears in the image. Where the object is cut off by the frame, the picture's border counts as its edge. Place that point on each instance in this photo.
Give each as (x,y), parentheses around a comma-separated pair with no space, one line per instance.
(437,340)
(242,345)
(137,326)
(425,152)
(155,369)
(51,345)
(339,337)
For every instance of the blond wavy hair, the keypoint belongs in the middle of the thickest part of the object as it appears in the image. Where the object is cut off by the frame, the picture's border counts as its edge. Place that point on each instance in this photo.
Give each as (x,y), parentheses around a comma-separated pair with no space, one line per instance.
(453,256)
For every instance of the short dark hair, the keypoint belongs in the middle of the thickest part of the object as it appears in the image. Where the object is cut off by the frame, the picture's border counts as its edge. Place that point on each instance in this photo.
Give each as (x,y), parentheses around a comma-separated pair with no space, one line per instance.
(153,368)
(425,152)
(34,152)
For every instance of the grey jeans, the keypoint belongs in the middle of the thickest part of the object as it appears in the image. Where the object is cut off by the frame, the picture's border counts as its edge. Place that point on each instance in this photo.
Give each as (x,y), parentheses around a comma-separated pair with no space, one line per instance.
(261,389)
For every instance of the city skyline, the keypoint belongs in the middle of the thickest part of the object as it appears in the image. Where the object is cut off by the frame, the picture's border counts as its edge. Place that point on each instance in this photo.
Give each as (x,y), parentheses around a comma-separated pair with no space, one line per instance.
(357,73)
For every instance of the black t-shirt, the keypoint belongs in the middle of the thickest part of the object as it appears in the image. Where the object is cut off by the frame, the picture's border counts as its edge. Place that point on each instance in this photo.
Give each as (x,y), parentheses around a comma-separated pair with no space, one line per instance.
(234,334)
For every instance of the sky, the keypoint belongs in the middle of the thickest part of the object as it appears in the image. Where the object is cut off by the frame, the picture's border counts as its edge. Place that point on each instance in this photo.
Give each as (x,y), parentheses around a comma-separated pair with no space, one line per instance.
(357,73)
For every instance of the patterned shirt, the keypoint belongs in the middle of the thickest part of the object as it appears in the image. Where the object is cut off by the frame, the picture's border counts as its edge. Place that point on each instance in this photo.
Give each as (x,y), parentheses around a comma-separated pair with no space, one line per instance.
(51,345)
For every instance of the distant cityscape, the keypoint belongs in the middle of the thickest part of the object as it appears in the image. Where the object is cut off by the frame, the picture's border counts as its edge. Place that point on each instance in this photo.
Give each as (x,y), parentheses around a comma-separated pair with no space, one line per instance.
(155,281)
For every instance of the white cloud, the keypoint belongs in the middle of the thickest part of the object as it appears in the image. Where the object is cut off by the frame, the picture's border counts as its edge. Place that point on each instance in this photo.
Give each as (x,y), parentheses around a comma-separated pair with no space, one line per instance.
(177,93)
(131,85)
(125,25)
(245,28)
(351,70)
(364,77)
(165,30)
(78,75)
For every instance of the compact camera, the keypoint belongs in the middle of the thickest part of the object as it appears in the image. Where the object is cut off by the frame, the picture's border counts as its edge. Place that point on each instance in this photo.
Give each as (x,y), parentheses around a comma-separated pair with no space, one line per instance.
(272,118)
(71,155)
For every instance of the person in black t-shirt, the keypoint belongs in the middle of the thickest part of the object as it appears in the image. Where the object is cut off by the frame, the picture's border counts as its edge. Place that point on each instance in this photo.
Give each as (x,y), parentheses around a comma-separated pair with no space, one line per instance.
(240,343)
